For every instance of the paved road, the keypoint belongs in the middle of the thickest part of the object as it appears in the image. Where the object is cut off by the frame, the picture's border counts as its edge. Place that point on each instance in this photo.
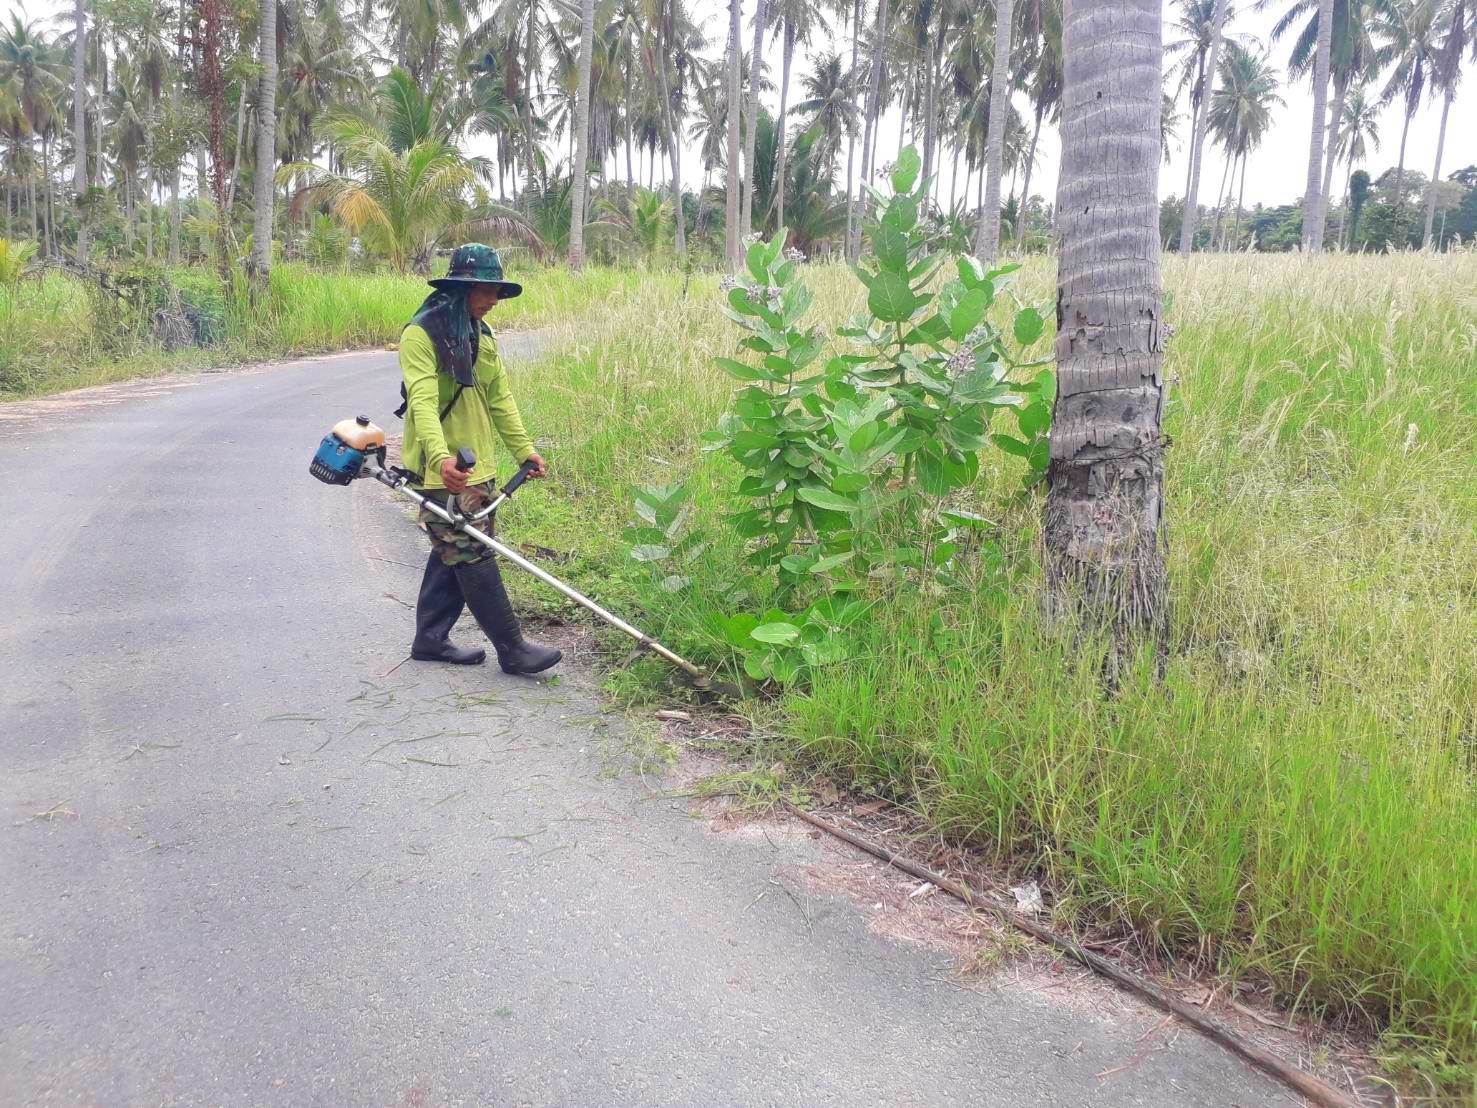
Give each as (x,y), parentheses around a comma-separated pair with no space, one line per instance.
(218,885)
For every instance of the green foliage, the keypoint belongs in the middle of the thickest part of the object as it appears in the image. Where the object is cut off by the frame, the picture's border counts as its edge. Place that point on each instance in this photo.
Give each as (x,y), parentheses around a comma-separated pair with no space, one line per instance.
(850,461)
(15,262)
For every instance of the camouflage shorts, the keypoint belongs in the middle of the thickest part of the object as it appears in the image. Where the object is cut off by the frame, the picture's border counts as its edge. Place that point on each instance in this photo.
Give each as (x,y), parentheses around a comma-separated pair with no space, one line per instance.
(457,548)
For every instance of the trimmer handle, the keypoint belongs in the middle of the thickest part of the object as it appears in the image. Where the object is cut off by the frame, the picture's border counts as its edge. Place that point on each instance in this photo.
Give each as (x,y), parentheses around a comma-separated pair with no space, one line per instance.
(466,460)
(524,472)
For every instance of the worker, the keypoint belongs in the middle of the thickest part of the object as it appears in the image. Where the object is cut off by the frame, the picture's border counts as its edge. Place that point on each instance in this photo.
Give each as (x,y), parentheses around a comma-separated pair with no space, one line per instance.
(457,395)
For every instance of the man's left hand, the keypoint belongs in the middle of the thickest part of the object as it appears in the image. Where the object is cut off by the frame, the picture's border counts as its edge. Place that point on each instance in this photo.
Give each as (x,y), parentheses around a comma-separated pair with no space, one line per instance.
(539,468)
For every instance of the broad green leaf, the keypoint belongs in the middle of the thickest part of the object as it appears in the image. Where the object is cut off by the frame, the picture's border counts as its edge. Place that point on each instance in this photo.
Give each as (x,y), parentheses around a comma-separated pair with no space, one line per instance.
(742,303)
(858,330)
(1040,455)
(890,299)
(978,385)
(850,482)
(970,272)
(756,666)
(649,552)
(736,628)
(1012,445)
(966,519)
(864,436)
(797,563)
(778,633)
(758,262)
(825,498)
(785,666)
(967,314)
(1046,384)
(755,440)
(905,172)
(1033,419)
(891,246)
(826,564)
(738,369)
(1028,326)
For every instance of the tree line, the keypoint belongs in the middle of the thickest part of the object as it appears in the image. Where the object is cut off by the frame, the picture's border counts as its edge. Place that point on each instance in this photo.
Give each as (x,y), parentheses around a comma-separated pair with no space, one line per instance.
(131,129)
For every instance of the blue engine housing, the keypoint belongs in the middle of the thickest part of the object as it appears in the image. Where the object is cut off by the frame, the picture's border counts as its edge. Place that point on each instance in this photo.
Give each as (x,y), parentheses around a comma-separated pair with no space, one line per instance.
(336,463)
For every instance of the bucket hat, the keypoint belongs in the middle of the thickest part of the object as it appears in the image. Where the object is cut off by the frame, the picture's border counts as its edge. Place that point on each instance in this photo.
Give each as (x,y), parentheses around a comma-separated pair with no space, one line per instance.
(475,264)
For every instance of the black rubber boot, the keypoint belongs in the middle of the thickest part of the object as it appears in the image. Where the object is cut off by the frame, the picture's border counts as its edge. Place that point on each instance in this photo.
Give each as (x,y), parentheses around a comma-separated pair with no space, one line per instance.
(436,611)
(482,587)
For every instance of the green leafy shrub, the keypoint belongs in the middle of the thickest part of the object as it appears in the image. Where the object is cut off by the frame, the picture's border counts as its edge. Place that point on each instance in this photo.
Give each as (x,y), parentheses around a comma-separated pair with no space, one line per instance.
(853,463)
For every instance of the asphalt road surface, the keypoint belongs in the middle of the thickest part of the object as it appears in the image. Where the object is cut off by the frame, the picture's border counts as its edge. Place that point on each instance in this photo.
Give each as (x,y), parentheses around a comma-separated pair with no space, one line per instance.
(239,865)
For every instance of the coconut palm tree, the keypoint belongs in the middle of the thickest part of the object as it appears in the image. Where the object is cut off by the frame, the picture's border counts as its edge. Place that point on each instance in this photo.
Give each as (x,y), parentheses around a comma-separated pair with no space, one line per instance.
(1358,133)
(987,238)
(1459,33)
(1043,83)
(407,187)
(733,232)
(830,105)
(580,168)
(33,69)
(1104,516)
(794,22)
(1197,132)
(266,146)
(79,121)
(1410,32)
(1240,114)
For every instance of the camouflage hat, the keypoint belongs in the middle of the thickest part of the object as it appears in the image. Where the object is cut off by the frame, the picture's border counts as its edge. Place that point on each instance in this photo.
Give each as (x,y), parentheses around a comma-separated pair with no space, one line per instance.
(475,264)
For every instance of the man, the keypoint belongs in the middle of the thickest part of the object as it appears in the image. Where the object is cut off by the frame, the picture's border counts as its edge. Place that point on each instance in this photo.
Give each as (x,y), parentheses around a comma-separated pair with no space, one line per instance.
(456,395)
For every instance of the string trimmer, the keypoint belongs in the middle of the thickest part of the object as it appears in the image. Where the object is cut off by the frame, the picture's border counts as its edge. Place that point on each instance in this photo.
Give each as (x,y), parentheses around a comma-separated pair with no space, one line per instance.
(356,448)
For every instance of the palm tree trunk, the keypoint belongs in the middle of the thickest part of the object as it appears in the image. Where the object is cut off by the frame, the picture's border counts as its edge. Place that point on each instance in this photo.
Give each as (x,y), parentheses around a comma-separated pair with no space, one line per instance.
(1335,127)
(856,34)
(1344,208)
(128,210)
(1240,199)
(266,147)
(874,94)
(779,161)
(751,133)
(954,180)
(1020,218)
(1400,164)
(674,137)
(987,238)
(245,122)
(630,172)
(1312,197)
(50,197)
(1197,139)
(732,230)
(1104,517)
(1220,202)
(79,123)
(530,62)
(582,131)
(1195,110)
(928,102)
(1436,170)
(902,119)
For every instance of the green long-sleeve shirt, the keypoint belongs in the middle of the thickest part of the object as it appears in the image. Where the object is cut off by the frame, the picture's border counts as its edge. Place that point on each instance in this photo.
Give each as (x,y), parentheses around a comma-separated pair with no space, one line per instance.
(472,420)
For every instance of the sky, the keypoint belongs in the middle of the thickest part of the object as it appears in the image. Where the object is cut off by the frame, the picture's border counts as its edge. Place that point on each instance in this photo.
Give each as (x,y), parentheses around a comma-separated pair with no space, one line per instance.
(1276,173)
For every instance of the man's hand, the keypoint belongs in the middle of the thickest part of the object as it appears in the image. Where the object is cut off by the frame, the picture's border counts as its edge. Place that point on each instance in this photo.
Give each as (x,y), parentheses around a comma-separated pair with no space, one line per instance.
(539,468)
(454,479)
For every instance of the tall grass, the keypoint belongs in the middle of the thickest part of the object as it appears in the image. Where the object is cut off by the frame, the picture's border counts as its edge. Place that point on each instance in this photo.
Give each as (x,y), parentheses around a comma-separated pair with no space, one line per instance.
(57,332)
(1296,801)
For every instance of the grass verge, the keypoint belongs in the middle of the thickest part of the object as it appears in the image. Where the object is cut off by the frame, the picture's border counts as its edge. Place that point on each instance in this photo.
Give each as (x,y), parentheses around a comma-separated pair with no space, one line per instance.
(1297,801)
(58,332)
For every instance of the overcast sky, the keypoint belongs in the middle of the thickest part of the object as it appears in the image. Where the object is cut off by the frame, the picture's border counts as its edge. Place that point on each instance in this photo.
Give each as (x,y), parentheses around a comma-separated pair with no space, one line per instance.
(1276,172)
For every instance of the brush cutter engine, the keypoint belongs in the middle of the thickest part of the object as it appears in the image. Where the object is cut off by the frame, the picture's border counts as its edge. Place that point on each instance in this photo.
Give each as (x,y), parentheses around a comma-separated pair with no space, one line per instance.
(341,454)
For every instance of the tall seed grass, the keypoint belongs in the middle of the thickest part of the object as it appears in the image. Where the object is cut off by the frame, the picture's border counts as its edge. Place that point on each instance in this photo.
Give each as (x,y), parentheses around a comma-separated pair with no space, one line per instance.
(1297,800)
(58,333)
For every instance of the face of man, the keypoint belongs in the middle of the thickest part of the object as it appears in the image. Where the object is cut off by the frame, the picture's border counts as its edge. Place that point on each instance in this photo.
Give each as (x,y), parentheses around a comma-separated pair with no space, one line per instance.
(481,300)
